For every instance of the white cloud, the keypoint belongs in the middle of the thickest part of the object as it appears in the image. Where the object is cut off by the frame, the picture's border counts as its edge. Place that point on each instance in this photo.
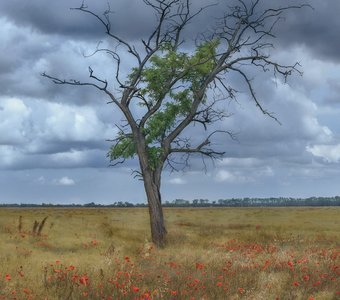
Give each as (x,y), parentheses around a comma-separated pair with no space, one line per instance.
(177,180)
(329,153)
(9,156)
(244,174)
(231,177)
(30,122)
(64,181)
(81,124)
(36,133)
(240,162)
(14,121)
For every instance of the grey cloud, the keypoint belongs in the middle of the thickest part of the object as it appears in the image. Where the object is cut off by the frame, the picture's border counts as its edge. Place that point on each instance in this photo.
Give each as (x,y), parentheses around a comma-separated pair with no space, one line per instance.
(39,138)
(317,29)
(57,18)
(334,97)
(37,134)
(52,17)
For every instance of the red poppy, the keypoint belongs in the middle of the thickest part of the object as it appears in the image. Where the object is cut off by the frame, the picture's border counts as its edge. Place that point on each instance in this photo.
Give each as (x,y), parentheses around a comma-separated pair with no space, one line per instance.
(306,277)
(71,268)
(84,280)
(8,277)
(317,283)
(295,283)
(57,271)
(135,289)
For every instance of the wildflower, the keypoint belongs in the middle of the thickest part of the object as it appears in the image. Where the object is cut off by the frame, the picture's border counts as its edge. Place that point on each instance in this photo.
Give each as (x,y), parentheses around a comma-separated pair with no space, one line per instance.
(127,259)
(306,277)
(303,260)
(290,263)
(26,291)
(57,262)
(8,277)
(199,266)
(135,289)
(172,265)
(57,271)
(266,264)
(295,283)
(71,268)
(84,280)
(241,290)
(174,293)
(311,298)
(317,283)
(94,243)
(219,283)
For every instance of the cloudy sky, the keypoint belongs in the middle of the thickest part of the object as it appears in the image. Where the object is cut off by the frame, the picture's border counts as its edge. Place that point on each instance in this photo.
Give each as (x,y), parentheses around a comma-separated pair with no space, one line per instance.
(53,138)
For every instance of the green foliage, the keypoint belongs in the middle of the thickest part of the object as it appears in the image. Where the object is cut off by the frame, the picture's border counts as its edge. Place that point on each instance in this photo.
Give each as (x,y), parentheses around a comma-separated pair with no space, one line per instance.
(170,79)
(154,154)
(124,148)
(202,63)
(189,71)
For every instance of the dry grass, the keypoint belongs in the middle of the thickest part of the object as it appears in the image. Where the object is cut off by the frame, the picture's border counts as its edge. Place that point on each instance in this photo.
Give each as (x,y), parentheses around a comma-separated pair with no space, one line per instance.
(229,253)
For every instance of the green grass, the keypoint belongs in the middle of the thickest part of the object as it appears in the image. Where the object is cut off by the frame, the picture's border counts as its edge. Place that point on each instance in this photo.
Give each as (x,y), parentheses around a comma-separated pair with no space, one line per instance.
(211,253)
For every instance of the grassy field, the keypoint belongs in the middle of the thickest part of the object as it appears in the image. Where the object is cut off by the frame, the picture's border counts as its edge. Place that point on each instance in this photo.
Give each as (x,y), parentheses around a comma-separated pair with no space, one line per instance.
(212,253)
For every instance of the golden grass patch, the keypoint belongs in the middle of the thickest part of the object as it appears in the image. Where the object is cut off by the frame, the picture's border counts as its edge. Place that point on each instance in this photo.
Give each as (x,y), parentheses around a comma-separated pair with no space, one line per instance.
(212,253)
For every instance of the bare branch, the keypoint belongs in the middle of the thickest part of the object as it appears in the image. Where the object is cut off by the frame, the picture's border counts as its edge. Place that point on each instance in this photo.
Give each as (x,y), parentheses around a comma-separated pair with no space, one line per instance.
(202,147)
(107,25)
(75,82)
(252,92)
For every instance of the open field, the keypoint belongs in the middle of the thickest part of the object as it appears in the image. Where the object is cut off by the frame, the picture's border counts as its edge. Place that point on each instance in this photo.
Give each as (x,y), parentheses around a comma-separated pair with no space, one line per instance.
(212,253)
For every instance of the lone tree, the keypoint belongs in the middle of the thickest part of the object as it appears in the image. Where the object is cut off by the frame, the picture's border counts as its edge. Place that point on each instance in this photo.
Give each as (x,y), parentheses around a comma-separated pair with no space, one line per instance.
(177,83)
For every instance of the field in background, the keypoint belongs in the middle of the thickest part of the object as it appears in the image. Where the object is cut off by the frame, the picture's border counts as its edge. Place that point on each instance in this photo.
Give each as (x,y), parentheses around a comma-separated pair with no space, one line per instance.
(212,253)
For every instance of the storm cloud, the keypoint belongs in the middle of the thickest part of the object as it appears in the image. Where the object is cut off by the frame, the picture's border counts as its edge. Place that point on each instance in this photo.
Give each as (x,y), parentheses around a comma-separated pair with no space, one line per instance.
(53,139)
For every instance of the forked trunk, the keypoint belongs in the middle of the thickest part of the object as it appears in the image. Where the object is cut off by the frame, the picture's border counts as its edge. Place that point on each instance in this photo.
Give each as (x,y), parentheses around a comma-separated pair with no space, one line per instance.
(152,189)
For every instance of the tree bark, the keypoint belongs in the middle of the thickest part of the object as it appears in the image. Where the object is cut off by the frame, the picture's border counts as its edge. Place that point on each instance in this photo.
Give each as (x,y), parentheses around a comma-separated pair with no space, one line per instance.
(152,190)
(152,183)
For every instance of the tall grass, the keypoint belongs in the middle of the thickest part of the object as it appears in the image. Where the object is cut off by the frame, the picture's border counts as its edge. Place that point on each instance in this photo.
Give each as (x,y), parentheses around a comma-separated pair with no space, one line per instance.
(229,253)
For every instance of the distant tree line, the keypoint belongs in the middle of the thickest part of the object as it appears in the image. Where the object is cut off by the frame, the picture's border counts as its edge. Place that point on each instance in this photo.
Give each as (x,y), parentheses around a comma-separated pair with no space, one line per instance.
(233,202)
(258,202)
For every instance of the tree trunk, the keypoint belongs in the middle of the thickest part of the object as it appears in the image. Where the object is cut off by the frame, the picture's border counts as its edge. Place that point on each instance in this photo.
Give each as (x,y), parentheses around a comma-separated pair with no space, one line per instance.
(152,190)
(152,183)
